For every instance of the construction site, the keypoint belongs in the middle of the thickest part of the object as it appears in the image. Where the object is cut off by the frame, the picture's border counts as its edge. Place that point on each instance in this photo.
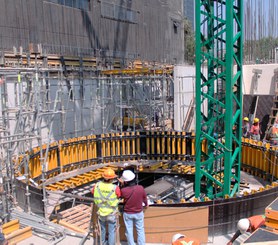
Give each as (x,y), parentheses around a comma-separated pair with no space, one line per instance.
(94,84)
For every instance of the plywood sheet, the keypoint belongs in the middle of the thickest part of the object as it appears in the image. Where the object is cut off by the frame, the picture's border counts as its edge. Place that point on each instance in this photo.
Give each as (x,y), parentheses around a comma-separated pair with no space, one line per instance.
(262,236)
(161,223)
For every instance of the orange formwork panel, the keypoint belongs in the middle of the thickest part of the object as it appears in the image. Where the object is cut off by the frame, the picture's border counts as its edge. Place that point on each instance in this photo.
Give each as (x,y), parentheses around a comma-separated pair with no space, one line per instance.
(271,223)
(271,211)
(179,145)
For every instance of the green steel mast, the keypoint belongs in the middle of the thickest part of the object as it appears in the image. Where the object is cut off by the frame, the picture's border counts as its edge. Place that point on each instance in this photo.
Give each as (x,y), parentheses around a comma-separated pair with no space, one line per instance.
(219,51)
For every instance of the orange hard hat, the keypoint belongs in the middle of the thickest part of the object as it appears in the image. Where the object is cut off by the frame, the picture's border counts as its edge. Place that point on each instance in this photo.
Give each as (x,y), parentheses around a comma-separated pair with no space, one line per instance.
(109,173)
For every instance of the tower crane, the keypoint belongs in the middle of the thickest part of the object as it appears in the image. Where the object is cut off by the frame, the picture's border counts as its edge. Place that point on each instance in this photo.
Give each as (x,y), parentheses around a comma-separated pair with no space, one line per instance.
(219,48)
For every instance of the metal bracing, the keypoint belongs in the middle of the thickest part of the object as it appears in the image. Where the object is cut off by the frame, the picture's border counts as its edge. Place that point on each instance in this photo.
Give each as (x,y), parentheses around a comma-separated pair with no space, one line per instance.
(218,97)
(40,105)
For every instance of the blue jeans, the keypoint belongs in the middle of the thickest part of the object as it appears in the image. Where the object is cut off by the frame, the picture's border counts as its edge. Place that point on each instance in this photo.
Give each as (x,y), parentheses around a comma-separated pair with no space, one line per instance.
(110,220)
(137,220)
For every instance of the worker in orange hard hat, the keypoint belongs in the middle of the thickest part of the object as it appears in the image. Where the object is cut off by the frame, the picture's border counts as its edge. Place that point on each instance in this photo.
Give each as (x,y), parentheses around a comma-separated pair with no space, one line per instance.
(255,131)
(245,127)
(106,197)
(248,225)
(180,239)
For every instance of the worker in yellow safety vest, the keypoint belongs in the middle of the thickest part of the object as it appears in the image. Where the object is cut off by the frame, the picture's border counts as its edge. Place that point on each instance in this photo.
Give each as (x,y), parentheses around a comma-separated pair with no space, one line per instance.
(180,239)
(106,197)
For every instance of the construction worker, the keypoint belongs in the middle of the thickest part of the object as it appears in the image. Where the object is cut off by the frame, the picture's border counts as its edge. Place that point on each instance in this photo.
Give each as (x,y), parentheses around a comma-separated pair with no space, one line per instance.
(273,133)
(248,225)
(180,239)
(255,130)
(134,198)
(245,127)
(106,197)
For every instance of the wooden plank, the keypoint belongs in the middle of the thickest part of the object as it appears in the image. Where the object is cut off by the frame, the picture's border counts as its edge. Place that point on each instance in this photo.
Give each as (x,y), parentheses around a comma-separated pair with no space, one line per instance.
(271,211)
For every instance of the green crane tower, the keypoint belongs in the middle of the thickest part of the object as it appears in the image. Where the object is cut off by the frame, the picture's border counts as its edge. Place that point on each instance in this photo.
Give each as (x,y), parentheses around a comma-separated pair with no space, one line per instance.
(219,51)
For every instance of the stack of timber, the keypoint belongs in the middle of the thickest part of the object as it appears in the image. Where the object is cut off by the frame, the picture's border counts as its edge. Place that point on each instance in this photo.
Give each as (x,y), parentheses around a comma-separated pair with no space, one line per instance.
(269,234)
(14,233)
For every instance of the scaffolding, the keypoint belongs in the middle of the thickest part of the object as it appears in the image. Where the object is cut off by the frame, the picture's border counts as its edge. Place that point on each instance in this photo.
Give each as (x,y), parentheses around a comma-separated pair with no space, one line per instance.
(41,104)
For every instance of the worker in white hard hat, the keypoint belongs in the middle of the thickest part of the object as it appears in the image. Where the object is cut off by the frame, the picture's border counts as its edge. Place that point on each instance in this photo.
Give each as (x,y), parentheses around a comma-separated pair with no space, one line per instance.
(248,225)
(245,127)
(180,239)
(134,198)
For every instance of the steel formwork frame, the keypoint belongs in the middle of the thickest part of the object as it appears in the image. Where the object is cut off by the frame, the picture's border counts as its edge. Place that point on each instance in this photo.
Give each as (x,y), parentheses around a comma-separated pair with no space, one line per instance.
(219,47)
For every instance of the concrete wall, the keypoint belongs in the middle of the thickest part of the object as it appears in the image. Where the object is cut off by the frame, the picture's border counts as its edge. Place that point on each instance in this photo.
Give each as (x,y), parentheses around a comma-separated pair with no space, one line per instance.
(261,84)
(138,29)
(184,87)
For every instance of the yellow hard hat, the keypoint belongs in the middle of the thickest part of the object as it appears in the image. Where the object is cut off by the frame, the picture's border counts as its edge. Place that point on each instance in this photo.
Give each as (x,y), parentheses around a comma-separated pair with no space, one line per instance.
(246,119)
(256,120)
(109,173)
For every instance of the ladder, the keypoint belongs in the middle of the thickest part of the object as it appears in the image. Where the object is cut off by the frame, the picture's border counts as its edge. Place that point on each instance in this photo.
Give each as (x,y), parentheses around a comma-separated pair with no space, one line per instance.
(274,109)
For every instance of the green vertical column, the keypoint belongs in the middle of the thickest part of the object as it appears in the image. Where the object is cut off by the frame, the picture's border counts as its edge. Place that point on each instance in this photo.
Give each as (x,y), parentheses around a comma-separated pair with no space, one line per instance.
(218,96)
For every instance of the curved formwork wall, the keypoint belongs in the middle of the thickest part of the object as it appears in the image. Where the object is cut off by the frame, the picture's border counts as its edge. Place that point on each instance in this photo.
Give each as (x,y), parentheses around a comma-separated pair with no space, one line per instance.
(86,157)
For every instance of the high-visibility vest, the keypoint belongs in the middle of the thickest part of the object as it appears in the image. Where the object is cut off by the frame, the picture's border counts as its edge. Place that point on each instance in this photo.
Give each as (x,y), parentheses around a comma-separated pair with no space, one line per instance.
(186,241)
(105,198)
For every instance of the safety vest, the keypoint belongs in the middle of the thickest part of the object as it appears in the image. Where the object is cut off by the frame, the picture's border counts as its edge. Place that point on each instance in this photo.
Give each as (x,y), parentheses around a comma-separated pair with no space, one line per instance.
(105,198)
(186,241)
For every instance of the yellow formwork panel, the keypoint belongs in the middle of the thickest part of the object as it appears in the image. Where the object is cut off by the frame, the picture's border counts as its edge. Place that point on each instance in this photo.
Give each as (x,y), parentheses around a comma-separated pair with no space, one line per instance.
(133,145)
(108,145)
(35,164)
(260,156)
(103,153)
(193,145)
(113,145)
(163,145)
(128,140)
(243,151)
(123,144)
(179,145)
(52,158)
(138,149)
(148,150)
(168,139)
(118,145)
(152,145)
(173,143)
(158,144)
(183,145)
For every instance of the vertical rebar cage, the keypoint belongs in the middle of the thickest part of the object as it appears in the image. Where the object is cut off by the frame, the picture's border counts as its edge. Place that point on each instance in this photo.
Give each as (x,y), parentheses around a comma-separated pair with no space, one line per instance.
(219,46)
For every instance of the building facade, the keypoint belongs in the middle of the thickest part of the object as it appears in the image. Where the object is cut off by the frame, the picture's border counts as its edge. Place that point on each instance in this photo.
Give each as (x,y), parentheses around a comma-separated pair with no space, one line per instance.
(124,29)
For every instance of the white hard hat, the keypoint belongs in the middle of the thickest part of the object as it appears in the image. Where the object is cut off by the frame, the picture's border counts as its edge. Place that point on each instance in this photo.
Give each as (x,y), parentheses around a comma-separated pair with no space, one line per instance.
(128,175)
(243,225)
(177,236)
